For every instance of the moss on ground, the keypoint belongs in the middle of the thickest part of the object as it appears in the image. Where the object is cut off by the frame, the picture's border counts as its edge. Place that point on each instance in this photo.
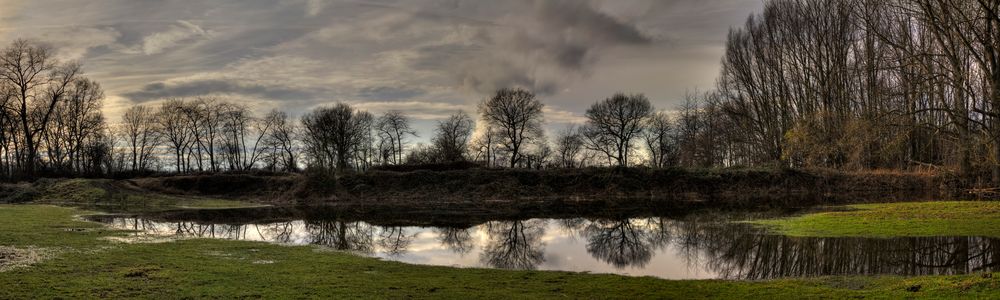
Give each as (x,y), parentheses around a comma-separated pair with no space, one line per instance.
(84,264)
(110,195)
(943,218)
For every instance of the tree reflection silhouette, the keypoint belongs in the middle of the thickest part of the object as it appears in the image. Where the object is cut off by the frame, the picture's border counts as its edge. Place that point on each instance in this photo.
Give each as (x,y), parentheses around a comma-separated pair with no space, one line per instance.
(709,242)
(280,232)
(514,244)
(394,240)
(346,236)
(627,242)
(746,252)
(459,240)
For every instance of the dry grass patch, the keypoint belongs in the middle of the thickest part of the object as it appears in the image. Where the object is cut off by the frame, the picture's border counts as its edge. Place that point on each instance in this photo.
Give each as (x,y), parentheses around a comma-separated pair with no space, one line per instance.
(14,257)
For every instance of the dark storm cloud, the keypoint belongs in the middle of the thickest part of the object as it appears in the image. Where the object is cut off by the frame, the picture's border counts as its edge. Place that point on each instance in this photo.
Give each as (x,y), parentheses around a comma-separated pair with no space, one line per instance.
(594,25)
(565,36)
(160,90)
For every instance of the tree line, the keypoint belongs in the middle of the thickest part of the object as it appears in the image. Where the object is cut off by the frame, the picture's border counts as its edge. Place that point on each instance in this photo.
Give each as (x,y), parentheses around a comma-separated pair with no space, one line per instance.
(859,84)
(845,84)
(51,124)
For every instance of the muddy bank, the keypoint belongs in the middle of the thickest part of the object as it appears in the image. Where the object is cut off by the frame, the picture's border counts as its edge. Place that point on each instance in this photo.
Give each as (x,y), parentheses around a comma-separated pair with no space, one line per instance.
(462,198)
(521,190)
(268,188)
(402,212)
(631,183)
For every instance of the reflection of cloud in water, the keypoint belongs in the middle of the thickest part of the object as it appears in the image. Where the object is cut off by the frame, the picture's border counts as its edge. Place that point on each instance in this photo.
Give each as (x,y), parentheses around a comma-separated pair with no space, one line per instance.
(705,247)
(527,244)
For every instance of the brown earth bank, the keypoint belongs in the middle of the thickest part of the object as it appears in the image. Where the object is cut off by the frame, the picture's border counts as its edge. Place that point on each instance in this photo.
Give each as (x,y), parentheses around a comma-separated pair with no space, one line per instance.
(516,189)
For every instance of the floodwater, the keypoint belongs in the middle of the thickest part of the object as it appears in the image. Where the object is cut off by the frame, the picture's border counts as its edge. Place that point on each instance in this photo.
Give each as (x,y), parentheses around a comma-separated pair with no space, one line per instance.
(694,246)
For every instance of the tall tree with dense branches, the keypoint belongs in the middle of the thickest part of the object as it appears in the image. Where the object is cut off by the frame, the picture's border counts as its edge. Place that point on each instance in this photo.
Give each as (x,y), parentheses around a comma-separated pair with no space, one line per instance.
(517,116)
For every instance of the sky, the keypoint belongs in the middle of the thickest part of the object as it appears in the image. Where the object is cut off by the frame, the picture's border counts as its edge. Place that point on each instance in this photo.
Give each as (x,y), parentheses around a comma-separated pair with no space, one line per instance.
(426,58)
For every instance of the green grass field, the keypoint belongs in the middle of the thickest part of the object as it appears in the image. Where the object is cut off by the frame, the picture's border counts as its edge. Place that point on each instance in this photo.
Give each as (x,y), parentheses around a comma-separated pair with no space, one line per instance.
(80,262)
(953,218)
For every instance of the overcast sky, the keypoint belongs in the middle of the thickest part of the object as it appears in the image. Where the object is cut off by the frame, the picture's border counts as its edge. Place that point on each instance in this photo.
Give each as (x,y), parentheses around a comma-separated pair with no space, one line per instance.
(427,58)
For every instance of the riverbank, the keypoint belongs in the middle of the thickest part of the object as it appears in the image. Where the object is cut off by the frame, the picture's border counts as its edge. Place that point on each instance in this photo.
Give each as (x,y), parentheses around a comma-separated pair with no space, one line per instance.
(916,219)
(442,195)
(521,189)
(71,258)
(108,195)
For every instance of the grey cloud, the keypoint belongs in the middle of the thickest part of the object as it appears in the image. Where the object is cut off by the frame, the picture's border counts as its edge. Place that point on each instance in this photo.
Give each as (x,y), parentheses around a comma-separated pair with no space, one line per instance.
(486,80)
(389,93)
(593,24)
(556,37)
(160,90)
(379,50)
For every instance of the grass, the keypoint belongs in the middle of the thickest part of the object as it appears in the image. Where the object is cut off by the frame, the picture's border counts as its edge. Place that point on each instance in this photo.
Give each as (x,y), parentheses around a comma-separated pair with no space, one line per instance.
(108,195)
(83,265)
(909,219)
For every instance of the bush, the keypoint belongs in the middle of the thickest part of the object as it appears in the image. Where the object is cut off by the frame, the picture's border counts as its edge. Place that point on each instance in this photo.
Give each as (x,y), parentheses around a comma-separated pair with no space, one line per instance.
(445,166)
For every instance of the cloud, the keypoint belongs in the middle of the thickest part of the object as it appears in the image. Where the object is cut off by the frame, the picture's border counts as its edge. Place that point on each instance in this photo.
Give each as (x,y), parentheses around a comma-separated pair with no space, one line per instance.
(418,110)
(177,33)
(162,90)
(389,92)
(553,115)
(75,43)
(488,75)
(589,22)
(314,7)
(430,57)
(553,43)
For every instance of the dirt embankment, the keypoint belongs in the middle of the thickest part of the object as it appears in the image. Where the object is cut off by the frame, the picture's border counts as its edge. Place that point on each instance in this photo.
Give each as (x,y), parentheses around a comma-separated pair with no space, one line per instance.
(484,187)
(273,188)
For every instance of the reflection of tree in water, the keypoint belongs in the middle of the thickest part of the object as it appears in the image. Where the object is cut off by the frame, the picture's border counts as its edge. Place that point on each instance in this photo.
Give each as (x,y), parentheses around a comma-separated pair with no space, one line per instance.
(459,240)
(347,236)
(183,229)
(394,240)
(744,252)
(280,232)
(135,224)
(573,227)
(628,242)
(734,251)
(514,244)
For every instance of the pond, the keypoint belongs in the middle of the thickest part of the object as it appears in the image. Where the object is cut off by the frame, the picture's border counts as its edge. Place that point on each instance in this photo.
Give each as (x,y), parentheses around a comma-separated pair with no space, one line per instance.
(693,246)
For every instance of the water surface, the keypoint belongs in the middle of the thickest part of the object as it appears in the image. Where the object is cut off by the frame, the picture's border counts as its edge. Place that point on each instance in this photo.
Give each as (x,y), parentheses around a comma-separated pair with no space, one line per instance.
(694,246)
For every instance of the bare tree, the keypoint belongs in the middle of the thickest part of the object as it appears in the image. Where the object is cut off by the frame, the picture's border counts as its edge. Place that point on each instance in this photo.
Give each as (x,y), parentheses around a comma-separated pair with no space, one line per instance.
(37,83)
(517,117)
(617,120)
(80,114)
(243,135)
(281,140)
(364,152)
(393,127)
(484,146)
(452,137)
(330,135)
(141,135)
(658,137)
(569,144)
(173,126)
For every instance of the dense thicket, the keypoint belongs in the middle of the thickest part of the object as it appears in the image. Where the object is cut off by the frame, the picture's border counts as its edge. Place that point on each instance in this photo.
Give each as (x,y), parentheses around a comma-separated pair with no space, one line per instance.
(50,115)
(860,84)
